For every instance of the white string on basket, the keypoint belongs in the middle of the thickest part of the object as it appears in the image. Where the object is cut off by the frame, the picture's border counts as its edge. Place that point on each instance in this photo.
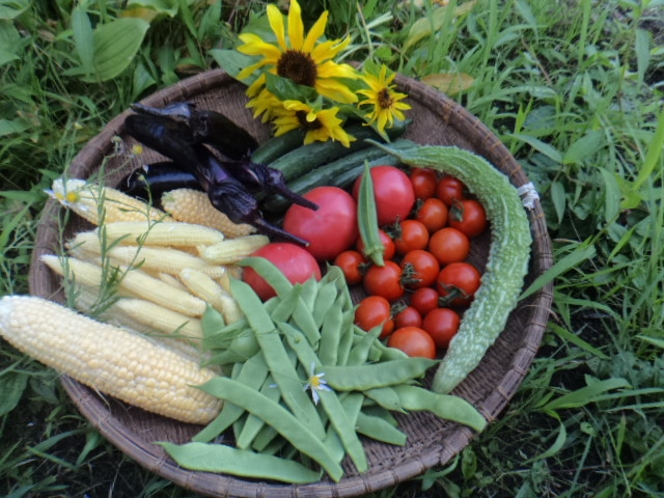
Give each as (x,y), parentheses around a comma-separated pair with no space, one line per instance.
(528,194)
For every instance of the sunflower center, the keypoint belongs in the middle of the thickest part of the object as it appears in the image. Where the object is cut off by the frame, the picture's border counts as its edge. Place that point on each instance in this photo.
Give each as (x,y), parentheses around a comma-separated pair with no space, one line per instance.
(307,125)
(385,100)
(298,66)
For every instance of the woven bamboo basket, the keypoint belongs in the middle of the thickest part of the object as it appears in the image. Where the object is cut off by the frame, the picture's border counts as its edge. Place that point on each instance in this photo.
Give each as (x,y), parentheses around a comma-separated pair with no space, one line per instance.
(436,119)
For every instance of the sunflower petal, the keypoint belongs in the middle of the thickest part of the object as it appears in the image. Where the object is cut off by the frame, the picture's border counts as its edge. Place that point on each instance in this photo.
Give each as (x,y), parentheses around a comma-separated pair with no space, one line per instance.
(316,32)
(295,26)
(277,24)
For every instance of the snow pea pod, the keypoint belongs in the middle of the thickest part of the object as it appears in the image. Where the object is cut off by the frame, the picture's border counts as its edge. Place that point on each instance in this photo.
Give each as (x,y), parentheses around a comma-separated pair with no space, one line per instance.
(367,219)
(379,429)
(278,417)
(229,460)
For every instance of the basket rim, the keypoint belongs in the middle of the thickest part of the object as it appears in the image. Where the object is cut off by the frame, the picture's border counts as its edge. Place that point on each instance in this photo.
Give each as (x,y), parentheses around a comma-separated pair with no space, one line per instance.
(224,485)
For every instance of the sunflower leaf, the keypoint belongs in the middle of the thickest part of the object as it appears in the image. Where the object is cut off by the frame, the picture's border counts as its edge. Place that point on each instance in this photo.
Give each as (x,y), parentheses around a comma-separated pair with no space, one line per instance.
(287,89)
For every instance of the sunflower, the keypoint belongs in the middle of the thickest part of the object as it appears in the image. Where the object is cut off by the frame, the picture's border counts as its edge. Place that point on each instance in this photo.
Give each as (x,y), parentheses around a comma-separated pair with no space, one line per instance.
(387,105)
(303,59)
(320,125)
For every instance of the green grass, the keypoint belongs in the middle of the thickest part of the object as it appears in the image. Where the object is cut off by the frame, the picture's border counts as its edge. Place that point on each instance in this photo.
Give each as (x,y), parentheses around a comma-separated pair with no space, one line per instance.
(574,89)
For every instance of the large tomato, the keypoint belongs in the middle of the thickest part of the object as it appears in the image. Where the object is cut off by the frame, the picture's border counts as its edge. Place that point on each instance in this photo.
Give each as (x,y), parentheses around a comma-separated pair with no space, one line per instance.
(458,282)
(296,263)
(393,192)
(413,341)
(330,229)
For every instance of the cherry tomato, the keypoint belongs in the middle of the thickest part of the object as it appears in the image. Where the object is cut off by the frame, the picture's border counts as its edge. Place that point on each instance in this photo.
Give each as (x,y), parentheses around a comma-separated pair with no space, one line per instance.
(450,189)
(432,213)
(372,312)
(441,324)
(424,182)
(449,245)
(353,264)
(330,229)
(393,193)
(296,263)
(469,217)
(413,341)
(424,299)
(420,269)
(457,283)
(410,235)
(407,317)
(384,281)
(387,241)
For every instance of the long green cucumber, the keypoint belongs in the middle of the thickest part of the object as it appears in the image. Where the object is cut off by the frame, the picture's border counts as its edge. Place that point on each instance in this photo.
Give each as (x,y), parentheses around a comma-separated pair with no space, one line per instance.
(276,147)
(299,161)
(507,263)
(340,173)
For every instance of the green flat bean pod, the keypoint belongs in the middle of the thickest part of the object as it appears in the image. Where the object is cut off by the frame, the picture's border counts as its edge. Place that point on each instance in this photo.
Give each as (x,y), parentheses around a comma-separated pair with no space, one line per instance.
(368,376)
(228,460)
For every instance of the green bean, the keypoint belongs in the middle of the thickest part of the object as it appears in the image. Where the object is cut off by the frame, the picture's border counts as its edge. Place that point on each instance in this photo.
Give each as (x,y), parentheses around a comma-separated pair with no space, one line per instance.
(253,424)
(379,429)
(229,460)
(270,273)
(331,404)
(327,295)
(379,411)
(367,219)
(309,293)
(330,336)
(276,357)
(212,321)
(278,417)
(346,340)
(445,406)
(361,347)
(305,321)
(386,397)
(253,373)
(221,338)
(286,304)
(367,376)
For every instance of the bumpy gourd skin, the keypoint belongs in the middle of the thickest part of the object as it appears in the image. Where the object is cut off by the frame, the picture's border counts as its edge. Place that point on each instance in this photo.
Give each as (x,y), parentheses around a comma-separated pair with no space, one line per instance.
(507,263)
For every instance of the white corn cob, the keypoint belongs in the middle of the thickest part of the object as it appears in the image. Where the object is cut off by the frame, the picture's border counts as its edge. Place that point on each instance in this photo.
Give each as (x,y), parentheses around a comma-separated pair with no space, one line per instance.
(161,319)
(98,203)
(151,259)
(233,250)
(112,360)
(192,206)
(211,292)
(134,281)
(160,234)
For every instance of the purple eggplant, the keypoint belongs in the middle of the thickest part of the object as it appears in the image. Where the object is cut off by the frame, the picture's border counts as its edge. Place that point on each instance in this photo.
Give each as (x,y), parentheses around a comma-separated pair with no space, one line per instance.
(151,180)
(226,193)
(206,126)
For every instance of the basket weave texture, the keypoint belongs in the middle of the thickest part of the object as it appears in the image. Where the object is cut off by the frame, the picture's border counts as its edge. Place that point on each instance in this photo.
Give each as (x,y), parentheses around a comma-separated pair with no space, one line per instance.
(436,120)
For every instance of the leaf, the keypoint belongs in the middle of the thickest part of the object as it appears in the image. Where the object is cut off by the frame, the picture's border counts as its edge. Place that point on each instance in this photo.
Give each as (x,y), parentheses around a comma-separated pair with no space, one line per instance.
(583,148)
(116,44)
(449,83)
(655,341)
(566,335)
(611,195)
(544,148)
(232,62)
(642,49)
(573,259)
(433,24)
(585,395)
(83,38)
(167,7)
(11,9)
(11,126)
(12,385)
(559,199)
(287,89)
(557,445)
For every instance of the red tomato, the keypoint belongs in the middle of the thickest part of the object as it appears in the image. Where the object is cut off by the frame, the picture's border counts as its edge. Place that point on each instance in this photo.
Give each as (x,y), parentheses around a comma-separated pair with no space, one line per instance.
(450,189)
(407,317)
(458,282)
(441,324)
(449,245)
(410,235)
(393,193)
(330,229)
(469,217)
(372,312)
(296,263)
(432,213)
(384,281)
(424,182)
(353,264)
(420,269)
(413,341)
(424,299)
(387,241)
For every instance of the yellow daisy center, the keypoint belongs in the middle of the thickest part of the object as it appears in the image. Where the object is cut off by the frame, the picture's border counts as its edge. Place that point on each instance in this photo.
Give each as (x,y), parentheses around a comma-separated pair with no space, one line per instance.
(298,66)
(385,100)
